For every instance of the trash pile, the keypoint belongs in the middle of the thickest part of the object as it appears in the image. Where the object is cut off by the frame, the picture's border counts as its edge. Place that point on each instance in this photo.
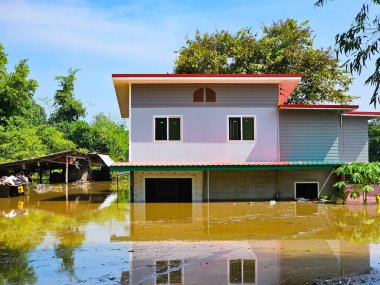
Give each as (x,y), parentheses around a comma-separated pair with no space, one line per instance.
(43,188)
(18,179)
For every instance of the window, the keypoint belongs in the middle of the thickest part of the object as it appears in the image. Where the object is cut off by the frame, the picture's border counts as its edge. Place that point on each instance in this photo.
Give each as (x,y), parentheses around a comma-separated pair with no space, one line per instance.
(169,272)
(242,271)
(202,94)
(167,128)
(241,128)
(307,190)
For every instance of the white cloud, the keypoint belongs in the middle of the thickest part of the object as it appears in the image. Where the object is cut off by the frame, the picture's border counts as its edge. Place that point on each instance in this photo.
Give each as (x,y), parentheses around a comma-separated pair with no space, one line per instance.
(75,25)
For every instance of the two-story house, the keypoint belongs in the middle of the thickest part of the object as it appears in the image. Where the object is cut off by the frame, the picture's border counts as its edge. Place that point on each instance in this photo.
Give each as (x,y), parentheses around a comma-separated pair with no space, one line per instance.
(217,137)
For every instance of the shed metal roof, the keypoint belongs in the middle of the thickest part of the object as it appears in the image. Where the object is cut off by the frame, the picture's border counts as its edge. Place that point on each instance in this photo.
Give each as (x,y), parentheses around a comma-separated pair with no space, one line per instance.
(53,160)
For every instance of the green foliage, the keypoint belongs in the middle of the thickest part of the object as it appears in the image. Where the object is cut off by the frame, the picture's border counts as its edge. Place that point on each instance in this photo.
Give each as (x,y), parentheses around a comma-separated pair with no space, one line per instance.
(20,140)
(374,140)
(68,109)
(360,43)
(16,93)
(110,137)
(103,135)
(284,47)
(361,175)
(25,131)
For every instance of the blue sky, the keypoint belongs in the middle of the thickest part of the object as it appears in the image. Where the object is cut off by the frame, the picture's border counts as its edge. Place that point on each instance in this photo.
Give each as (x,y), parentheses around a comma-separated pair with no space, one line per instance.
(120,36)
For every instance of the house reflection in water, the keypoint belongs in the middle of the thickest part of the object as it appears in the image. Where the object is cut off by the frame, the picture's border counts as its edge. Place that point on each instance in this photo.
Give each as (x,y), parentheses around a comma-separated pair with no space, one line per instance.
(233,243)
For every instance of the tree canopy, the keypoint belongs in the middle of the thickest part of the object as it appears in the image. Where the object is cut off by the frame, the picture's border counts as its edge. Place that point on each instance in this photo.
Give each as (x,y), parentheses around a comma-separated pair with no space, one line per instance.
(360,44)
(374,141)
(284,47)
(25,131)
(68,109)
(17,91)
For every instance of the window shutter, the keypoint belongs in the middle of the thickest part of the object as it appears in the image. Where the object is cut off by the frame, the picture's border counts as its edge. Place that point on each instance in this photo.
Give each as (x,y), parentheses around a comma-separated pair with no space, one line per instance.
(210,95)
(198,95)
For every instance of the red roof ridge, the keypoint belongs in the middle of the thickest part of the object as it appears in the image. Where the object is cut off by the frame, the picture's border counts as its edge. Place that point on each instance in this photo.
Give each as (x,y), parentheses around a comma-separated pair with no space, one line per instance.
(204,75)
(319,106)
(363,113)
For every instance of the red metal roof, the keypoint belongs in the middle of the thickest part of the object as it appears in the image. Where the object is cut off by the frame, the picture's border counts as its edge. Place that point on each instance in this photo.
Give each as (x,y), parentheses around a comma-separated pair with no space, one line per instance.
(318,106)
(202,75)
(221,163)
(363,114)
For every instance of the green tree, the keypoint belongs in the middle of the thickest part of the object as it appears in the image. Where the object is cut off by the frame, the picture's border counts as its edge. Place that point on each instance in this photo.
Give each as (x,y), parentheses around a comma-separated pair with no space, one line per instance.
(79,132)
(360,43)
(17,91)
(110,137)
(21,140)
(284,47)
(68,109)
(374,140)
(361,175)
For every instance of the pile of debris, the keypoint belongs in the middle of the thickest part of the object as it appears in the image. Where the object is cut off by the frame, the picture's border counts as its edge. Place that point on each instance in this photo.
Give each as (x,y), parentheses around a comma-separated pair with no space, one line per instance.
(14,180)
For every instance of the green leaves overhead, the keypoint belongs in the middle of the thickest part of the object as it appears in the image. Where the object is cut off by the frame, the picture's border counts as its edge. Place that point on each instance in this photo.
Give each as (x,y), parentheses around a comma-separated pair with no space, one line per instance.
(284,47)
(360,43)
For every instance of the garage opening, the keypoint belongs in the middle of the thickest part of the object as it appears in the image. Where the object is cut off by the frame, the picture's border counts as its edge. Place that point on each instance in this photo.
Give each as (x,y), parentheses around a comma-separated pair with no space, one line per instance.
(169,190)
(307,190)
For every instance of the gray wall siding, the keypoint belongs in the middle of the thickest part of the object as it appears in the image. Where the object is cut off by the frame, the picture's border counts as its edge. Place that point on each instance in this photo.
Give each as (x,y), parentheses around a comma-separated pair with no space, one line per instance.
(309,135)
(353,139)
(181,95)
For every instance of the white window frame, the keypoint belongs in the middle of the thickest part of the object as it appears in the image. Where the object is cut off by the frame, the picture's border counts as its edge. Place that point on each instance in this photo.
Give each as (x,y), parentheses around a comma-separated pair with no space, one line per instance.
(168,273)
(242,270)
(305,182)
(167,128)
(241,129)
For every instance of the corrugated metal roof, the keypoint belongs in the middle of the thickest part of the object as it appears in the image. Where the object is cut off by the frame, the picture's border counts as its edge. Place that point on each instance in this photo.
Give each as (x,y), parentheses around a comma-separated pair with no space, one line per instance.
(363,114)
(250,165)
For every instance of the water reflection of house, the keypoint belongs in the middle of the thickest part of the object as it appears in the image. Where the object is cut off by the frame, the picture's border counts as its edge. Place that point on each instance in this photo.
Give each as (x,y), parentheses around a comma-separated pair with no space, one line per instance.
(198,244)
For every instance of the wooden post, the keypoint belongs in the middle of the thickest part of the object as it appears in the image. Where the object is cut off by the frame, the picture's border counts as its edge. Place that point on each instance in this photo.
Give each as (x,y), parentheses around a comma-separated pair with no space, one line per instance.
(67,170)
(131,187)
(40,174)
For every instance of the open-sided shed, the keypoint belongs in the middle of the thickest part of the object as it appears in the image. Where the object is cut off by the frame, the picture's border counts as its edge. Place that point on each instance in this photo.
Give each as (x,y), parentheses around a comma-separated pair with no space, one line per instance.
(74,165)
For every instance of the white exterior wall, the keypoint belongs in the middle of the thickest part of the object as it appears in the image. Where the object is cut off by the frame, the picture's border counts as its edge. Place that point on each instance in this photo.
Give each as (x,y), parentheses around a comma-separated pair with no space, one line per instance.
(139,182)
(204,125)
(204,136)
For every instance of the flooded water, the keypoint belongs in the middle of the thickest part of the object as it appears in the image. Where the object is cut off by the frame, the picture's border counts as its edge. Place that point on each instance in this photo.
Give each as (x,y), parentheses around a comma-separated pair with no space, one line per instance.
(90,235)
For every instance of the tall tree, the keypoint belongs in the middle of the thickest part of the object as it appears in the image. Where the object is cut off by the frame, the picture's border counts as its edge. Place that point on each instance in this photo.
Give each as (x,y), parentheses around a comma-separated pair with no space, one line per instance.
(17,91)
(360,43)
(68,109)
(374,140)
(284,47)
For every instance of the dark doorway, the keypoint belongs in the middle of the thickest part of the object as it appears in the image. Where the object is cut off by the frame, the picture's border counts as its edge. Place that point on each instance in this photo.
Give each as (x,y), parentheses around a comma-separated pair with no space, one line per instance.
(307,190)
(170,190)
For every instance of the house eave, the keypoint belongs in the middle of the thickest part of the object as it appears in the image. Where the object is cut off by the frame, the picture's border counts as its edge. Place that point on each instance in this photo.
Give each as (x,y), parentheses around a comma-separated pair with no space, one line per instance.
(284,165)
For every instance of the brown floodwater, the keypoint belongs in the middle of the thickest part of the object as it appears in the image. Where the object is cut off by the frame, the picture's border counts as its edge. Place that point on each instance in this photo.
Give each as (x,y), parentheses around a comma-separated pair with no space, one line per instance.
(90,235)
